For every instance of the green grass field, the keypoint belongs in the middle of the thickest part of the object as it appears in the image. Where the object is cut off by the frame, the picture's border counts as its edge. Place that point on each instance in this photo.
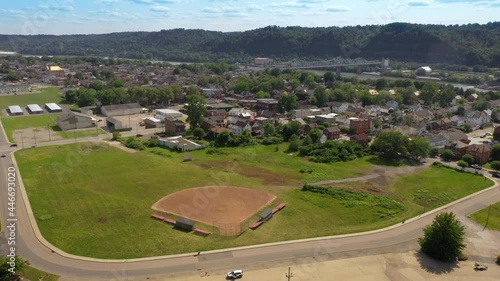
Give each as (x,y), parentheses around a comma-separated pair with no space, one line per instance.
(493,221)
(95,200)
(41,98)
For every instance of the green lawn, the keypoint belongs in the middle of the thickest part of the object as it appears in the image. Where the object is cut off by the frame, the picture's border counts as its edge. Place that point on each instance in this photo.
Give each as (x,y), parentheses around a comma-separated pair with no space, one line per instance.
(493,221)
(80,133)
(95,200)
(34,274)
(41,98)
(23,122)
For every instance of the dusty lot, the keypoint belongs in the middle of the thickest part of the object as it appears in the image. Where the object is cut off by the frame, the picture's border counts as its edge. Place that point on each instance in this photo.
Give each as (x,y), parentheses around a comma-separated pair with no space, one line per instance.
(32,136)
(215,204)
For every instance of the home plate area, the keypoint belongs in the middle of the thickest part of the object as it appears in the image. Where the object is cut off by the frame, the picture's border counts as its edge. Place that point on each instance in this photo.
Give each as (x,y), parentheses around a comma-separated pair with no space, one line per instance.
(226,208)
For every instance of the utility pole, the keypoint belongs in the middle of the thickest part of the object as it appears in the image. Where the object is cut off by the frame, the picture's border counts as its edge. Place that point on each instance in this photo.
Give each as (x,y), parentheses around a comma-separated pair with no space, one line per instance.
(487,218)
(48,129)
(288,275)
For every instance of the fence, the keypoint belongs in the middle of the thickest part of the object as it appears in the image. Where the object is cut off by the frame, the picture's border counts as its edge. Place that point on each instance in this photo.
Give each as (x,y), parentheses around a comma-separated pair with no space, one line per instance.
(230,229)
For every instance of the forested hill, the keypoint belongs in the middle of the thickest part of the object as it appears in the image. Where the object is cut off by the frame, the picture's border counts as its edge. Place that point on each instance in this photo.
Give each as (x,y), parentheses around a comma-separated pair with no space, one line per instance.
(472,44)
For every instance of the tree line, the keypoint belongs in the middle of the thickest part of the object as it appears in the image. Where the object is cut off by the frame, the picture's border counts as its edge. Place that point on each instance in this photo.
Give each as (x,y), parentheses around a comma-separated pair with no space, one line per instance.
(470,45)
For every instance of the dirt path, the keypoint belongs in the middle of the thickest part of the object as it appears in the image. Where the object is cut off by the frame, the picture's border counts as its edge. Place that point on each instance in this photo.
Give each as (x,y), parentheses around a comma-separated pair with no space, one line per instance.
(382,175)
(120,146)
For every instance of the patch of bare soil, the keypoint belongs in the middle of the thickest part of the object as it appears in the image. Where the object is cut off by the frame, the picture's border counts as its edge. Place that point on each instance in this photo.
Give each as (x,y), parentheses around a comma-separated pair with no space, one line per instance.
(267,176)
(387,175)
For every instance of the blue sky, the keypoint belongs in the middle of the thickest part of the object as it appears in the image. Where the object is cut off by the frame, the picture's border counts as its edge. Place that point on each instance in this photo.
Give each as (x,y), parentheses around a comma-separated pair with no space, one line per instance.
(104,16)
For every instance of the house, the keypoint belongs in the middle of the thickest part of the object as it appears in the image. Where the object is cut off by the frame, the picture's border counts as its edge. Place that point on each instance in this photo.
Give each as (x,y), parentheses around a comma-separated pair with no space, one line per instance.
(392,104)
(360,125)
(238,128)
(496,133)
(179,143)
(121,109)
(309,127)
(457,120)
(454,135)
(421,116)
(332,133)
(267,104)
(472,97)
(481,152)
(322,118)
(459,149)
(216,115)
(476,119)
(175,127)
(441,124)
(436,140)
(362,139)
(338,107)
(74,120)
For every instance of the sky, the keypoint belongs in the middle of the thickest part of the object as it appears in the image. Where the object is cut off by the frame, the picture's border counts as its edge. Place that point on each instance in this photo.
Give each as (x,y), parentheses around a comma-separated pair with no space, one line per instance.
(31,17)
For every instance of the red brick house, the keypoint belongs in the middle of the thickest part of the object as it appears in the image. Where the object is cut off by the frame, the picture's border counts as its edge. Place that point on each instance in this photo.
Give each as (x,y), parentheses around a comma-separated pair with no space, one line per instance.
(175,127)
(480,152)
(332,133)
(361,139)
(361,125)
(459,149)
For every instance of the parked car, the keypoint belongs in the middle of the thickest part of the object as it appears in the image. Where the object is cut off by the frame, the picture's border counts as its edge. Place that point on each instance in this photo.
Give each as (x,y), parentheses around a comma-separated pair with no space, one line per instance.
(496,175)
(489,134)
(476,166)
(235,274)
(13,145)
(3,155)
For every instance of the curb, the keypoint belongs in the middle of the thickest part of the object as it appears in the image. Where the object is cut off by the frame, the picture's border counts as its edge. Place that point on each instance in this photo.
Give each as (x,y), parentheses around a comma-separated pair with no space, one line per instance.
(4,133)
(56,250)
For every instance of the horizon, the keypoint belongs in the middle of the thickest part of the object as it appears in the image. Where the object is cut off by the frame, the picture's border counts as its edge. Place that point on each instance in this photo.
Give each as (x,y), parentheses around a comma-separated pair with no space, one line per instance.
(77,17)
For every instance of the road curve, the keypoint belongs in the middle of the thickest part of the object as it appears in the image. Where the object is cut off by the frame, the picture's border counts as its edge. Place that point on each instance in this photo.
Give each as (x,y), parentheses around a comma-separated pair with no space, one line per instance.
(31,246)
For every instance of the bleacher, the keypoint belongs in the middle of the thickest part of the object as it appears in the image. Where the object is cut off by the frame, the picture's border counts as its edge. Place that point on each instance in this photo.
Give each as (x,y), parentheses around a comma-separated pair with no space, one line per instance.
(201,231)
(164,219)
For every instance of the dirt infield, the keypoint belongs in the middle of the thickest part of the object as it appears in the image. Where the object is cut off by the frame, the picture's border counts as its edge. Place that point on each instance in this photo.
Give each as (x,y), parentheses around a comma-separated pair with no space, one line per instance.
(214,205)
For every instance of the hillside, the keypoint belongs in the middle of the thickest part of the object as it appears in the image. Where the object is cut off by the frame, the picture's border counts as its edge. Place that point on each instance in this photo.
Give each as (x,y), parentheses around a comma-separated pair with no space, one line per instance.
(471,44)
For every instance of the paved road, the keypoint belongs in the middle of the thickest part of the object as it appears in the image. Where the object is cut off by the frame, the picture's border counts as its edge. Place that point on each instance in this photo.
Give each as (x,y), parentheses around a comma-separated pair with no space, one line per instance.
(46,257)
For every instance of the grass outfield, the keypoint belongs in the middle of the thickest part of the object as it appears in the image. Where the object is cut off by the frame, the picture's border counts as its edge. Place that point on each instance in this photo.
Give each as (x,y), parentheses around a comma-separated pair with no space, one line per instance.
(493,221)
(95,200)
(23,122)
(45,96)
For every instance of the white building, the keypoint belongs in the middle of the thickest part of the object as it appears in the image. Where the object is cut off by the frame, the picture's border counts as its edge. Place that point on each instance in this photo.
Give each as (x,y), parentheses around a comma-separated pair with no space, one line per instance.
(179,143)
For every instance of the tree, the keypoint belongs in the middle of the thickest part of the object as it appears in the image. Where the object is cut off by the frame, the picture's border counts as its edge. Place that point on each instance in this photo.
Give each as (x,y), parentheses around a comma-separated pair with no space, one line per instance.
(462,164)
(469,159)
(495,153)
(444,238)
(434,152)
(195,110)
(116,136)
(199,133)
(8,270)
(447,154)
(315,135)
(419,148)
(262,95)
(269,130)
(390,145)
(294,143)
(287,102)
(495,165)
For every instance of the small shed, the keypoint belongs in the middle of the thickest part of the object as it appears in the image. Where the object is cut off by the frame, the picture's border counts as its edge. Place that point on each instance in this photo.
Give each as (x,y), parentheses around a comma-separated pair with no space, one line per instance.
(184,224)
(34,109)
(53,107)
(266,215)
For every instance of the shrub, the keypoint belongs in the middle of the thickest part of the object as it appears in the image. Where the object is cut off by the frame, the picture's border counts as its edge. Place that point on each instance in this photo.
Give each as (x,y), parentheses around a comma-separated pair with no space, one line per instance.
(498,259)
(272,140)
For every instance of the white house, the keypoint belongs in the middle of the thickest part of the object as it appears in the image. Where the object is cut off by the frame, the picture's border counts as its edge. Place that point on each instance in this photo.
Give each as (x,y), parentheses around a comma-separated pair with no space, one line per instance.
(457,120)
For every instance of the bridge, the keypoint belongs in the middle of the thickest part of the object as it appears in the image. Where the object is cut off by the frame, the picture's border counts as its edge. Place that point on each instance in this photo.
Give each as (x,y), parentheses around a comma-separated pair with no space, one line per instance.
(336,62)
